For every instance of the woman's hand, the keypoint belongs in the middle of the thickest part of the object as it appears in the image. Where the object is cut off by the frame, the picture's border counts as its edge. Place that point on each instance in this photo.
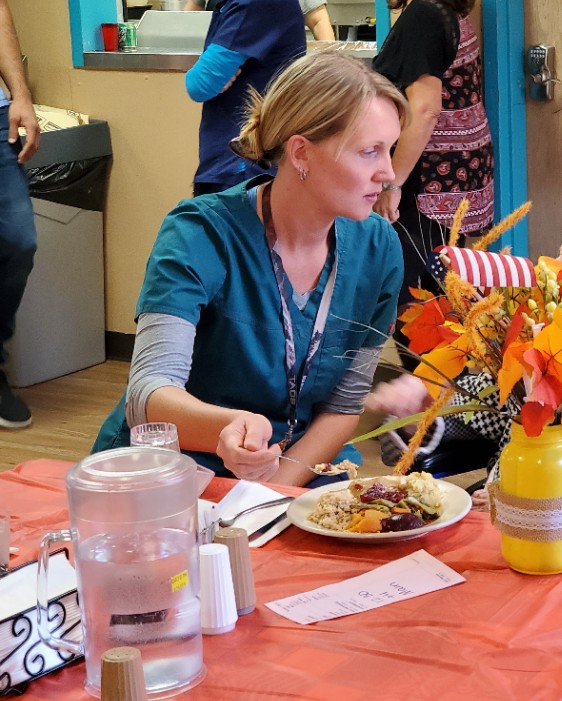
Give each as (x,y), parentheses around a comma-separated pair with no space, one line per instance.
(401,397)
(243,448)
(22,114)
(387,204)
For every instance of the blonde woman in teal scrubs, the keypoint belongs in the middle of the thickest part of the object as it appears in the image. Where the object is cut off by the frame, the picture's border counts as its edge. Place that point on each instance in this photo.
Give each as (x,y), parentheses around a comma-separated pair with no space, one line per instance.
(259,317)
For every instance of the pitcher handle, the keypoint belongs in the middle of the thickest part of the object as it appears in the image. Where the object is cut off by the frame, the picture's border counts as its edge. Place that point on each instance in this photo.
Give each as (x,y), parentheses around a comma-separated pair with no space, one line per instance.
(53,641)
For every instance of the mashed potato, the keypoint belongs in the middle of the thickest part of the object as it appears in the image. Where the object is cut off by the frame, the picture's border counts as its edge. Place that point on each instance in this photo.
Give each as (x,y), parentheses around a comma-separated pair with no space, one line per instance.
(421,485)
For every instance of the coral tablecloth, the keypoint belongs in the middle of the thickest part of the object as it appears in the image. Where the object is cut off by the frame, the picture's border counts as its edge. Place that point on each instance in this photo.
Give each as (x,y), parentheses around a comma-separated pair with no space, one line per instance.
(497,636)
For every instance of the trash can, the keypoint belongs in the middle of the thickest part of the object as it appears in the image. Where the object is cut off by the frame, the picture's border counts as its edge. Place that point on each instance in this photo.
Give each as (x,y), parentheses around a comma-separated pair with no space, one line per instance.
(60,325)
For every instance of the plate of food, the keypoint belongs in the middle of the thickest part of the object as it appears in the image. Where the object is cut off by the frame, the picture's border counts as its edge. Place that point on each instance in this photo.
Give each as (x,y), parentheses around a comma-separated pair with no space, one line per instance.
(380,509)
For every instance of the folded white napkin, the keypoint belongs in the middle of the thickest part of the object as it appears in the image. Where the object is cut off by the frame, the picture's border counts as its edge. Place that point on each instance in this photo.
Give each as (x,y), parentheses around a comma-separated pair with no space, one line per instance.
(18,589)
(246,494)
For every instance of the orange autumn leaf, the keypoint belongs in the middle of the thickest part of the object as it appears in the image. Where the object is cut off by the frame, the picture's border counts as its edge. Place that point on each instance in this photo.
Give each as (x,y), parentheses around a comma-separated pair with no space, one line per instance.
(425,330)
(554,264)
(422,331)
(449,358)
(534,417)
(545,386)
(421,294)
(414,310)
(549,343)
(545,361)
(515,326)
(512,368)
(411,313)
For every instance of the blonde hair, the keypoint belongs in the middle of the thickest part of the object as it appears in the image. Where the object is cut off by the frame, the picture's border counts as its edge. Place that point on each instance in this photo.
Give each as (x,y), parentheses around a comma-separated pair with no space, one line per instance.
(317,96)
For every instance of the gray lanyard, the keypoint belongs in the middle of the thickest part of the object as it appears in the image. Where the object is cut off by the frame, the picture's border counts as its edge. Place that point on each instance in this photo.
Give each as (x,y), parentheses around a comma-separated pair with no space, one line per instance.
(293,386)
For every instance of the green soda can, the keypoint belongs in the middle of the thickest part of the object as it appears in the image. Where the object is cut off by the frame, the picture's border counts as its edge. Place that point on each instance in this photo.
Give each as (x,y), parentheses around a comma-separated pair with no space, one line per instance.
(130,37)
(122,34)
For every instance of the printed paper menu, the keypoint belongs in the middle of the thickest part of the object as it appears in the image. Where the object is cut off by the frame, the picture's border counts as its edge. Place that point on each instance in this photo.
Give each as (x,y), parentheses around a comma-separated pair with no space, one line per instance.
(416,574)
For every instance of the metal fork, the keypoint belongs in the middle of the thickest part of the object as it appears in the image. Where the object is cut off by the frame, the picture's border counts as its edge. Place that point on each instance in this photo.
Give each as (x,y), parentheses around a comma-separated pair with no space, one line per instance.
(226,522)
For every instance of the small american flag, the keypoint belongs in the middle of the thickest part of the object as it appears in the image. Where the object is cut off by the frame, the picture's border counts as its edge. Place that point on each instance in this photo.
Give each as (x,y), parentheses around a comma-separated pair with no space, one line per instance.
(485,269)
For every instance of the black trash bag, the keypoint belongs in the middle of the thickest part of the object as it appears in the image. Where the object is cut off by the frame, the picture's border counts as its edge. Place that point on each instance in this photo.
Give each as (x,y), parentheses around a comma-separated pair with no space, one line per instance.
(79,184)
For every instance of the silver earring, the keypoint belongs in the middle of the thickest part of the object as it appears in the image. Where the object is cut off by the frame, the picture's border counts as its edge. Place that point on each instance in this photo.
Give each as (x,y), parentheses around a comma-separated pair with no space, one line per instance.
(303,174)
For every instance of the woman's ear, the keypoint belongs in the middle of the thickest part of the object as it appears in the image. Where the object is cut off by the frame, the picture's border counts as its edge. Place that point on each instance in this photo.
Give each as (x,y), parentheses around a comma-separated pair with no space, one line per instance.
(297,152)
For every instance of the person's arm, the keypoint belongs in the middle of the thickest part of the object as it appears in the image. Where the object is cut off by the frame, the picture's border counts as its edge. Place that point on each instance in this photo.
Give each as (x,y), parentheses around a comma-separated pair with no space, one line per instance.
(160,369)
(194,5)
(318,21)
(215,71)
(156,391)
(21,112)
(424,98)
(403,396)
(348,396)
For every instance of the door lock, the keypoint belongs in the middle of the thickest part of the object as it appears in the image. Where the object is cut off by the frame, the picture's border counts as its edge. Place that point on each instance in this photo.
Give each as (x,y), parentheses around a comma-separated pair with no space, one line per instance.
(541,68)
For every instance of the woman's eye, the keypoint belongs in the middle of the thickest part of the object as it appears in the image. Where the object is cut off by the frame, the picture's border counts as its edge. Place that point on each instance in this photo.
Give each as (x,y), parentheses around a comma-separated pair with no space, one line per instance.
(370,152)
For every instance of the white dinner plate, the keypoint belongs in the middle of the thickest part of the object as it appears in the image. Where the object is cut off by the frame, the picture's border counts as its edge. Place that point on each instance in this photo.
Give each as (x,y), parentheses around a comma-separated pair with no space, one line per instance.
(456,504)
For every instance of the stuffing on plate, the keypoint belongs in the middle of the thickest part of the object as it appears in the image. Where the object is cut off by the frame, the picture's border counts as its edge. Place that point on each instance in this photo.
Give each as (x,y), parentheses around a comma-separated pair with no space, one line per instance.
(380,504)
(328,468)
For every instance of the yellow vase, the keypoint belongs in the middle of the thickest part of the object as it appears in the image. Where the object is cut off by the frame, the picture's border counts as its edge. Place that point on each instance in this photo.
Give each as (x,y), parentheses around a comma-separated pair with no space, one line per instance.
(531,468)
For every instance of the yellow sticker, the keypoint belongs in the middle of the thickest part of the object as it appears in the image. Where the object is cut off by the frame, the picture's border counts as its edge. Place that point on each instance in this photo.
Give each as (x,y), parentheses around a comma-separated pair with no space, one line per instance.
(179,581)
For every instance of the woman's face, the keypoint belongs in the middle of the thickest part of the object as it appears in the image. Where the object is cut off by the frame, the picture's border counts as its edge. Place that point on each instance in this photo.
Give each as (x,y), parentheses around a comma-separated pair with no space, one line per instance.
(347,180)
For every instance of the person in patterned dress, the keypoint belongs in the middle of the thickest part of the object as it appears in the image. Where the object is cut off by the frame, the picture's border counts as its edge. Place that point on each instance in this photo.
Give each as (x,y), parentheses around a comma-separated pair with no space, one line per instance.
(445,152)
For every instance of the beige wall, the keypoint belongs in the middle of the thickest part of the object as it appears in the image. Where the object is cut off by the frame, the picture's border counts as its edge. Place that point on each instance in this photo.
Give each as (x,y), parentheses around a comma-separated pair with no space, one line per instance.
(153,128)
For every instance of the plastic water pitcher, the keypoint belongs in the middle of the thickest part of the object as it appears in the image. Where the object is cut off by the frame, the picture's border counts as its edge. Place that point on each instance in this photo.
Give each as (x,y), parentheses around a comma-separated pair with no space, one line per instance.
(133,518)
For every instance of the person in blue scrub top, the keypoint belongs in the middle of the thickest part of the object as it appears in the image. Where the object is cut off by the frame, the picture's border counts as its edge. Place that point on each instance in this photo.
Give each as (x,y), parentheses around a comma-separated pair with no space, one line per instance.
(248,42)
(259,316)
(316,16)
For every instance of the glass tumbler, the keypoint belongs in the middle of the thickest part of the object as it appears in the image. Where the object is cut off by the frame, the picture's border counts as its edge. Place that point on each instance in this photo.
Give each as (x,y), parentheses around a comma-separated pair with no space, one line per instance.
(157,435)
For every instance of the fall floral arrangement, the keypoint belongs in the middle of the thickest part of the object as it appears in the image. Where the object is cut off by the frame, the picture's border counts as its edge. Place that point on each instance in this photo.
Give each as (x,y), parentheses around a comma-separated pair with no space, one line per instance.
(511,331)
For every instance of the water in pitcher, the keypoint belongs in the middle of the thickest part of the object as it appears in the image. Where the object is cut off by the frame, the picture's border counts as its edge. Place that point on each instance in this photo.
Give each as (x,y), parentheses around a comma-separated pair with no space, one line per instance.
(136,591)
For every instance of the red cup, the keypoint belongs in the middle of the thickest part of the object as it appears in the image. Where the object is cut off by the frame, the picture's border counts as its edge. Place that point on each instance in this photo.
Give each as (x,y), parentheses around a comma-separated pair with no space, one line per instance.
(110,36)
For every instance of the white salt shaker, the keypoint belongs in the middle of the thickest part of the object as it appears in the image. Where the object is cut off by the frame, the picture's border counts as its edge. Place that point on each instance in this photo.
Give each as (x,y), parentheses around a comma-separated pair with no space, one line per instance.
(218,603)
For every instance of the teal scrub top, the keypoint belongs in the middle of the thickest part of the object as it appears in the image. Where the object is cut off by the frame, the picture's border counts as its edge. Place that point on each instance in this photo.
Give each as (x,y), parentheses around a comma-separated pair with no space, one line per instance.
(211,266)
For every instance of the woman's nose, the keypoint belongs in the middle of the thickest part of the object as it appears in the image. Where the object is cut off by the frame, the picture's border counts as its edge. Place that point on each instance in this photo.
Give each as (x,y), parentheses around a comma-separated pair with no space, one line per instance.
(385,171)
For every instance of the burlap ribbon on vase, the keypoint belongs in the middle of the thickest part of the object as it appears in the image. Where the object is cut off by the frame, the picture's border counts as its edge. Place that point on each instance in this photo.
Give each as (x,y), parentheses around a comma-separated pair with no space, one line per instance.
(538,520)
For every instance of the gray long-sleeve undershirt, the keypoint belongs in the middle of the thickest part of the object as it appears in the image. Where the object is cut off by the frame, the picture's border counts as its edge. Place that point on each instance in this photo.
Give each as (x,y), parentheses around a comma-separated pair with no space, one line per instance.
(162,358)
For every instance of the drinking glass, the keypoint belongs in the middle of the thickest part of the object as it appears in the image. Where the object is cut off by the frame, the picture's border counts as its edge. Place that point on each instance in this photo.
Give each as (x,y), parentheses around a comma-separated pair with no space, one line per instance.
(165,435)
(158,435)
(4,539)
(110,36)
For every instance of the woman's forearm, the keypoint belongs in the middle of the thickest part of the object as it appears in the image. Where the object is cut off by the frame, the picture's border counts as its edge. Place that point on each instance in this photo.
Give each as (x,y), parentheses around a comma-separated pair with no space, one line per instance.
(318,21)
(424,97)
(199,424)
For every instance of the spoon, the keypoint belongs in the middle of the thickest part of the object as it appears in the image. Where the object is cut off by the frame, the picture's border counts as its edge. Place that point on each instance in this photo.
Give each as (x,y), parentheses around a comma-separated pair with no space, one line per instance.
(226,522)
(326,468)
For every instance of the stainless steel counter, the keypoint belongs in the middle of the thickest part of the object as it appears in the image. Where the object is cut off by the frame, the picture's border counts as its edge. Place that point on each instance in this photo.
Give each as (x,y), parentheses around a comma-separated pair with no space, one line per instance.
(156,59)
(140,60)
